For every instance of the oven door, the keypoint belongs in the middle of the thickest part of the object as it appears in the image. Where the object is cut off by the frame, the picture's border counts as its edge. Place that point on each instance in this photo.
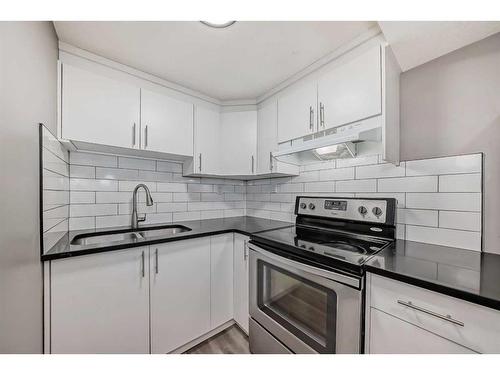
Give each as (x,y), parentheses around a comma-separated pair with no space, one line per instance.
(308,309)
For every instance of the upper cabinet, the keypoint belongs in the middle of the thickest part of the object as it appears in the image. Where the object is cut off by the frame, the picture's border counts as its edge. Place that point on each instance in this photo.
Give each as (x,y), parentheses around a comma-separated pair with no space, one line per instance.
(97,109)
(351,91)
(297,112)
(267,142)
(166,124)
(238,137)
(206,141)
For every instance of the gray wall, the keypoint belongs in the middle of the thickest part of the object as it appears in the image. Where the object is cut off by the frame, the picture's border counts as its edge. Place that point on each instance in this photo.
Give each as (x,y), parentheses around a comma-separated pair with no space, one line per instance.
(28,79)
(451,106)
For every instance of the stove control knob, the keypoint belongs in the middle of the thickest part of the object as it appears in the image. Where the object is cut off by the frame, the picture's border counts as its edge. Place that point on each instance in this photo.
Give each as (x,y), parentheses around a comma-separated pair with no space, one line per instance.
(377,211)
(362,210)
(312,206)
(303,206)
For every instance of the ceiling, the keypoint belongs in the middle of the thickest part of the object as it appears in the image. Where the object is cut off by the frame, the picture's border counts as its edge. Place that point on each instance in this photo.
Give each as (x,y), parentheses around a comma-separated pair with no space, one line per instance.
(417,42)
(243,61)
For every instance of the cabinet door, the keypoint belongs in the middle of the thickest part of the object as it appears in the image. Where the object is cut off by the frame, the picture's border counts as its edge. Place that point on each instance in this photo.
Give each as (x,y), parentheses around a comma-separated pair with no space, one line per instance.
(390,335)
(267,133)
(238,145)
(206,140)
(241,311)
(351,91)
(221,280)
(180,293)
(97,109)
(100,303)
(166,124)
(297,112)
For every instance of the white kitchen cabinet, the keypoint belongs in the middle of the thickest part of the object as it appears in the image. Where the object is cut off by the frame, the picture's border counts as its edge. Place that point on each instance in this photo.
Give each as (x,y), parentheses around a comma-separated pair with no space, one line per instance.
(97,109)
(99,303)
(240,283)
(238,142)
(206,142)
(297,114)
(267,142)
(390,335)
(166,124)
(351,91)
(180,293)
(221,279)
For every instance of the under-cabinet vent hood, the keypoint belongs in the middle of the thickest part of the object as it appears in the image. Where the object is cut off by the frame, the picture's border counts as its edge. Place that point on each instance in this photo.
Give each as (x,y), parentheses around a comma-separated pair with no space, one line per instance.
(336,143)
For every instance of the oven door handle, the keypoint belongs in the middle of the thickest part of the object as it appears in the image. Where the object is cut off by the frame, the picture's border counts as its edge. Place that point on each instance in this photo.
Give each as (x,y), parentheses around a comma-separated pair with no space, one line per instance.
(331,275)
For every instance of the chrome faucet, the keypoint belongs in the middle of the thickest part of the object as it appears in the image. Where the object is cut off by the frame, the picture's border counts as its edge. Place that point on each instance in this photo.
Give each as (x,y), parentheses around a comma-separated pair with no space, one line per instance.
(149,202)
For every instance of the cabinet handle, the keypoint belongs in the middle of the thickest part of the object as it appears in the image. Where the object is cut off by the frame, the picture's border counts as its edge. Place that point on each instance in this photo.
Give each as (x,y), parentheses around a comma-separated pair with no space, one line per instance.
(271,161)
(133,135)
(311,118)
(156,261)
(146,136)
(322,114)
(143,265)
(245,250)
(448,317)
(253,163)
(199,167)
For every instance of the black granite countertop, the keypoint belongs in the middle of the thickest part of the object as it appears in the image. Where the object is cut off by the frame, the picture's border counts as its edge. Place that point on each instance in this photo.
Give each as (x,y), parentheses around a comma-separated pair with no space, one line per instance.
(469,275)
(200,228)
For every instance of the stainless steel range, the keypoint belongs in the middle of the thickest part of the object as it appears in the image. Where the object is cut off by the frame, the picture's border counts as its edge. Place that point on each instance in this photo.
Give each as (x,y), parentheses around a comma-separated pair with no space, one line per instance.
(306,281)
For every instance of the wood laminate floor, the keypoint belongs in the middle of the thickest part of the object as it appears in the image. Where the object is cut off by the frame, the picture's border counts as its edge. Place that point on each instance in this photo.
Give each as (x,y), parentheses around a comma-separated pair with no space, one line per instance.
(230,341)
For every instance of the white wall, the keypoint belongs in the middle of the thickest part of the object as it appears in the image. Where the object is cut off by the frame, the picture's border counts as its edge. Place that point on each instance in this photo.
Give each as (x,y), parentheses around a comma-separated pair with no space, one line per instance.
(28,79)
(451,106)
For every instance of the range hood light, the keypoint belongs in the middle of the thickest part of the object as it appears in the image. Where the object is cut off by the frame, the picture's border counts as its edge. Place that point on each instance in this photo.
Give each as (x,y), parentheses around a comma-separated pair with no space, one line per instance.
(327,149)
(338,151)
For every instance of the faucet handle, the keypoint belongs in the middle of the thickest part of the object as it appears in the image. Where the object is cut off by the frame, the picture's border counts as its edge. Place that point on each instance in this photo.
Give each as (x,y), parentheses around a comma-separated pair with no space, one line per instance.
(141,217)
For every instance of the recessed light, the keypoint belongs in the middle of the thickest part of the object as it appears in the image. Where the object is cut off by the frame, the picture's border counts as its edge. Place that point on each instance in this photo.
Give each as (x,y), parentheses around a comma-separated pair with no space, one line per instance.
(218,25)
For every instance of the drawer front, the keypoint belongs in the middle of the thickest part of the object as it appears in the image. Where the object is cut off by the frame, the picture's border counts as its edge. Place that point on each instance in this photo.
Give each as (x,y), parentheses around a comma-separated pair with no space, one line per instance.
(390,335)
(474,326)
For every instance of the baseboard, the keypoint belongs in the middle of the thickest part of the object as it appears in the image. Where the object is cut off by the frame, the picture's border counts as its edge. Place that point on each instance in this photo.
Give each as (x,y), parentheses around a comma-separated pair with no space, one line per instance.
(202,338)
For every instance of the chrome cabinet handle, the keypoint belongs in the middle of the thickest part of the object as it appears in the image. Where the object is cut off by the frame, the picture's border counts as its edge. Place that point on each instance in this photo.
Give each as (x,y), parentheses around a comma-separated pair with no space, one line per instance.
(143,265)
(447,318)
(146,136)
(253,163)
(199,167)
(271,161)
(322,114)
(156,261)
(133,135)
(311,118)
(245,250)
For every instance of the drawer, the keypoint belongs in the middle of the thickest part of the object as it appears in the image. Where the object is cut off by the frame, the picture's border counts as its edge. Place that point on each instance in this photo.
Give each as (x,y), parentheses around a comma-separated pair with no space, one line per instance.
(390,335)
(473,326)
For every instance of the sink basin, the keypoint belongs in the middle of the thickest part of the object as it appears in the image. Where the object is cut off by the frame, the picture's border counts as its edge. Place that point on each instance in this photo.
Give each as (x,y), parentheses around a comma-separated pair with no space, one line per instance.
(163,231)
(130,235)
(96,239)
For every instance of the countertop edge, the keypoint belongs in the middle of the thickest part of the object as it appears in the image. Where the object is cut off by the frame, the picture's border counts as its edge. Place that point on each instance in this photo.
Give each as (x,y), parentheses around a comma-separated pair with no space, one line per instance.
(435,287)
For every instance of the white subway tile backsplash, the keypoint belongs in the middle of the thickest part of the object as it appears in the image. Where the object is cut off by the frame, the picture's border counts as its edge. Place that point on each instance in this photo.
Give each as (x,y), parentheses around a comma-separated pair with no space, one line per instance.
(77,223)
(408,184)
(363,160)
(112,197)
(54,164)
(130,185)
(158,197)
(447,165)
(445,237)
(400,197)
(77,197)
(54,181)
(166,166)
(380,171)
(84,184)
(307,177)
(112,221)
(135,163)
(417,217)
(186,216)
(445,201)
(337,174)
(96,160)
(200,188)
(319,187)
(171,187)
(212,214)
(186,197)
(234,212)
(463,183)
(155,176)
(460,220)
(126,208)
(82,171)
(116,173)
(356,186)
(172,207)
(291,188)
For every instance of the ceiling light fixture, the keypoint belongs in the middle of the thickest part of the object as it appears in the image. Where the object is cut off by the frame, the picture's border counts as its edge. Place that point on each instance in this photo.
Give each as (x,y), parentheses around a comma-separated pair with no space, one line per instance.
(218,25)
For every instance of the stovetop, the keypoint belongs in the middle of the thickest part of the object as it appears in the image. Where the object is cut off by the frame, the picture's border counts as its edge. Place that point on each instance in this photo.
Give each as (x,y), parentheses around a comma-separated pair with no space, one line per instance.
(327,247)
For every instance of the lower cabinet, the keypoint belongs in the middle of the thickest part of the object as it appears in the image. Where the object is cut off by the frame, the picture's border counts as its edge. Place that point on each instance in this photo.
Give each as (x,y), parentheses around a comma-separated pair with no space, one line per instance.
(240,282)
(390,335)
(180,293)
(153,299)
(100,303)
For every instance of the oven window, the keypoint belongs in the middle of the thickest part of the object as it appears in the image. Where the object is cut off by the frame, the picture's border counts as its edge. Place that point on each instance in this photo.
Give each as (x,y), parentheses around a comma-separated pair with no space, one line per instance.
(304,308)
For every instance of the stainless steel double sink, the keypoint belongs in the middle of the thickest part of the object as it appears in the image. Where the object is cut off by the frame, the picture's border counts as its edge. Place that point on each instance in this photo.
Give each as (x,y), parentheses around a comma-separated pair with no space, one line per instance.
(129,235)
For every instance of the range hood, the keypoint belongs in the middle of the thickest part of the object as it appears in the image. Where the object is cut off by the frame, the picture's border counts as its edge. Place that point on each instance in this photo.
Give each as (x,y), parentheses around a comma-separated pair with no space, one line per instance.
(336,143)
